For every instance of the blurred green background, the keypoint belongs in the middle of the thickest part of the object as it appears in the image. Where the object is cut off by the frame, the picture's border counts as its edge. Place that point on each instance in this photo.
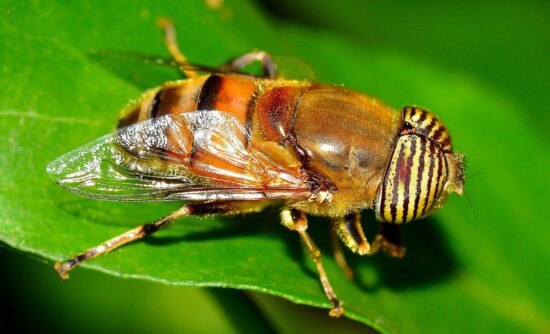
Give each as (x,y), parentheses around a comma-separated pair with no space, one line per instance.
(469,269)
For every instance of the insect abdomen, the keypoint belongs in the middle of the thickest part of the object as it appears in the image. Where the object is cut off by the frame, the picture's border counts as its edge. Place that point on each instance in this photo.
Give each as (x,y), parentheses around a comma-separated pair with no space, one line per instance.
(230,94)
(235,95)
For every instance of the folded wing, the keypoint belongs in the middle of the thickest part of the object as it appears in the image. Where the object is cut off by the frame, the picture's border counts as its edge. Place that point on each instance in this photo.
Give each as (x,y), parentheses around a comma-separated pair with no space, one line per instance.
(194,156)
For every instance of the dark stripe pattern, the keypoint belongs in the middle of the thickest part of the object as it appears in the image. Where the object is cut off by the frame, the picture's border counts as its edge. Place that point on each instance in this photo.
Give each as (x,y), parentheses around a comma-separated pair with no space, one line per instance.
(418,171)
(155,105)
(426,124)
(209,93)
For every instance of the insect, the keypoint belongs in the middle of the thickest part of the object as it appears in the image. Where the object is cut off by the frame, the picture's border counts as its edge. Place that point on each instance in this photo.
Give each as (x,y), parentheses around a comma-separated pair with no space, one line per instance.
(225,143)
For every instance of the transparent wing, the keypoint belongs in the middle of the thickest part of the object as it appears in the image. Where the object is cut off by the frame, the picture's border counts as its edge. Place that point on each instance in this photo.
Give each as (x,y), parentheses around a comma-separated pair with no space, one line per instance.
(287,67)
(193,156)
(294,68)
(103,55)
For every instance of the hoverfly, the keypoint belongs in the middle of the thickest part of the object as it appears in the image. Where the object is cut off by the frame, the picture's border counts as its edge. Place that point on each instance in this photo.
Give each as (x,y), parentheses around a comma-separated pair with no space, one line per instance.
(227,143)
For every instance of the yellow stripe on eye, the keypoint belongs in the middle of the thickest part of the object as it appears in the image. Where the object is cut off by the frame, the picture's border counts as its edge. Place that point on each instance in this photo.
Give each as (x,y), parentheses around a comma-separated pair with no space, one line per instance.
(401,197)
(429,119)
(442,177)
(388,184)
(428,163)
(413,195)
(433,184)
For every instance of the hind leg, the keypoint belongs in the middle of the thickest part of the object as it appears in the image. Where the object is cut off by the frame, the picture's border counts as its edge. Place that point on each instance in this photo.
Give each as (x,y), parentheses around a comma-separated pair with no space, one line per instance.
(141,231)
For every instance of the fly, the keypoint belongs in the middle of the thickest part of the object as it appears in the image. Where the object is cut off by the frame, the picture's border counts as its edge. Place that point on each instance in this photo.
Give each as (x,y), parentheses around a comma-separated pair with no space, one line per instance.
(227,143)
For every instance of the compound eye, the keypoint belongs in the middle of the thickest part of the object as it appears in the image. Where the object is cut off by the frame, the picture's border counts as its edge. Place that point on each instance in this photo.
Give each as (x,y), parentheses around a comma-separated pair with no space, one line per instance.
(413,182)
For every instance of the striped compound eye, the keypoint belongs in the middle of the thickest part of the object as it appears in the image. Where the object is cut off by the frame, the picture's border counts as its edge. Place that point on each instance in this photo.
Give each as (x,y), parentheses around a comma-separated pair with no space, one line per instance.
(416,178)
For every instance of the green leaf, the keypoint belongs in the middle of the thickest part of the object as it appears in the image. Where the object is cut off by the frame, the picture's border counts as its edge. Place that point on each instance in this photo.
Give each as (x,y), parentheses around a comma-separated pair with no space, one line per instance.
(467,269)
(495,47)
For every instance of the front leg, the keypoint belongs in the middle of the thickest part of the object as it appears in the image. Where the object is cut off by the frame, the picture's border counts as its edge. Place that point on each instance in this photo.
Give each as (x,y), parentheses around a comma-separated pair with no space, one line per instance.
(390,241)
(349,229)
(296,221)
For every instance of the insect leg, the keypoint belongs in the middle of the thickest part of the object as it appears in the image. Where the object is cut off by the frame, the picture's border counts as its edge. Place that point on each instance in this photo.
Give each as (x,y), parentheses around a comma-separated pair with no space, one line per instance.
(172,44)
(237,64)
(141,231)
(339,255)
(296,221)
(349,229)
(389,240)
